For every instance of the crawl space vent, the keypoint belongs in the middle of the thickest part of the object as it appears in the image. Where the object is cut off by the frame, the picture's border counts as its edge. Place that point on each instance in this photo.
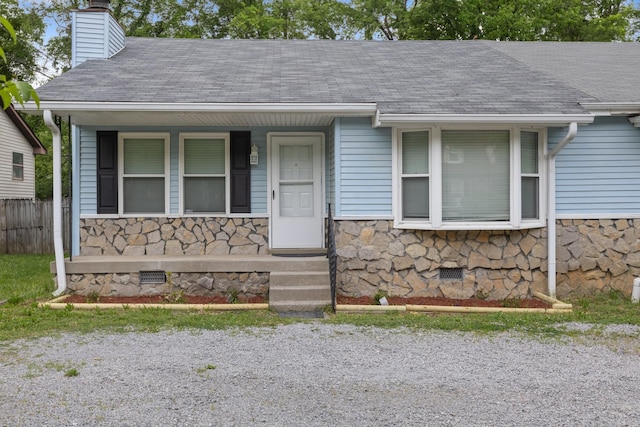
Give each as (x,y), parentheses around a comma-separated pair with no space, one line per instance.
(150,277)
(450,274)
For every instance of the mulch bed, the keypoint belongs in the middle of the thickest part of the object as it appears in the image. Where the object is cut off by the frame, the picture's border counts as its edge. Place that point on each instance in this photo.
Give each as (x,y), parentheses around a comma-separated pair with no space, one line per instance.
(449,302)
(191,299)
(160,299)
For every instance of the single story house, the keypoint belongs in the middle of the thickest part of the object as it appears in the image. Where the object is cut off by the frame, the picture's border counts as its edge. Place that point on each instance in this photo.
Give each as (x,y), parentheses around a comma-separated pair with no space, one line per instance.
(452,168)
(18,148)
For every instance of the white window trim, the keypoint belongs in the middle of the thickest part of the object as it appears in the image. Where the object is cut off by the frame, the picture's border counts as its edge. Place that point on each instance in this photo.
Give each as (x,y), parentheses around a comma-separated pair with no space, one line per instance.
(227,167)
(143,135)
(435,221)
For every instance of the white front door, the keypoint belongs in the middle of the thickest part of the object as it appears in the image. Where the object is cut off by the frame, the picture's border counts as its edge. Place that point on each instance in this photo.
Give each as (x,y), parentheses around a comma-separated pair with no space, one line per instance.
(296,191)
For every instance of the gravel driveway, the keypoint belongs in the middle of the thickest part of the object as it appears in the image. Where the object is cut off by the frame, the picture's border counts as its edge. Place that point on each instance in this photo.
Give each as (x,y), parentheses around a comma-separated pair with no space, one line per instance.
(315,374)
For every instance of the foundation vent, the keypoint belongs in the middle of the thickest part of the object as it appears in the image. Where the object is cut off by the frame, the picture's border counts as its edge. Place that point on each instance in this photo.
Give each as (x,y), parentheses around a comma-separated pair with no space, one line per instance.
(151,277)
(450,274)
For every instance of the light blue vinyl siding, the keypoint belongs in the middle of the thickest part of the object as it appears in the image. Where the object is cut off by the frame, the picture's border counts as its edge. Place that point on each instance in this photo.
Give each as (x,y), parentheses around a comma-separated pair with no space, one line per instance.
(87,171)
(87,168)
(599,171)
(365,160)
(330,167)
(96,35)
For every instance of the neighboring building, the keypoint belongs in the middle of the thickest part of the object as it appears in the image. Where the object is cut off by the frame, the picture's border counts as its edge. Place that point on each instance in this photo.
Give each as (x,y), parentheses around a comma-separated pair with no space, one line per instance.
(18,148)
(453,168)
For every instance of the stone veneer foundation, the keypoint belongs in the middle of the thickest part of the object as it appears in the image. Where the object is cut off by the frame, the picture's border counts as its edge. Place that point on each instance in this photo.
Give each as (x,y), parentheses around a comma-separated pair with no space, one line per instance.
(592,256)
(174,236)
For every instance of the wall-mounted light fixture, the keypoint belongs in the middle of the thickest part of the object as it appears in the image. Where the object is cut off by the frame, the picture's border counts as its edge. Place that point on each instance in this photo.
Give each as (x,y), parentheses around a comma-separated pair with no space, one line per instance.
(253,156)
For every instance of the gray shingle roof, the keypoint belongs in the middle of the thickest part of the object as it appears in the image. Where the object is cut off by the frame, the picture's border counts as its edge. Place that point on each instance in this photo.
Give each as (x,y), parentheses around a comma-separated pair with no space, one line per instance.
(431,77)
(608,72)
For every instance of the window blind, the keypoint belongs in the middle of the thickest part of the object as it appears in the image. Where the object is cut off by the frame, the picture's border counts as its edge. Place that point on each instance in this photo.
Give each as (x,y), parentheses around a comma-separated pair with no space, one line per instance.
(475,175)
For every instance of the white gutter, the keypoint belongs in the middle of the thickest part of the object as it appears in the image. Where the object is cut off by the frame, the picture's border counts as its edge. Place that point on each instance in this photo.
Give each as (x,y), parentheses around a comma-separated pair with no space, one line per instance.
(57,203)
(551,203)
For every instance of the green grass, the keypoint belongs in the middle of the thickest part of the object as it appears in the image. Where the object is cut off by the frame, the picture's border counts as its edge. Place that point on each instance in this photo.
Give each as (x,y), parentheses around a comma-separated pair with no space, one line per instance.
(25,280)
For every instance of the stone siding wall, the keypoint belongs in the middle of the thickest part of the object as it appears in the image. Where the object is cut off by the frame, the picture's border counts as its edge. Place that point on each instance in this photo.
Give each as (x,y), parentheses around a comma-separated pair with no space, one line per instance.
(597,255)
(174,236)
(495,264)
(593,256)
(200,284)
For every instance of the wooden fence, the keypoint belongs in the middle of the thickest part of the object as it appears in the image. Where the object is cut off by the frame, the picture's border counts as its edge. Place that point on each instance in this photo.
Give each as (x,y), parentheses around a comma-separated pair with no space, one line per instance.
(26,226)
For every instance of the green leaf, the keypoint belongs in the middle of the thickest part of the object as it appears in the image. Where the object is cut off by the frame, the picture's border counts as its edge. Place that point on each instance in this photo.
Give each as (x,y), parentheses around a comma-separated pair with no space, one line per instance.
(6,99)
(6,24)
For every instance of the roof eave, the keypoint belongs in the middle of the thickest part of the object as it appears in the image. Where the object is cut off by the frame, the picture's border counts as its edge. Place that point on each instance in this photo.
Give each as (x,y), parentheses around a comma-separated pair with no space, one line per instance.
(388,120)
(612,108)
(360,109)
(26,131)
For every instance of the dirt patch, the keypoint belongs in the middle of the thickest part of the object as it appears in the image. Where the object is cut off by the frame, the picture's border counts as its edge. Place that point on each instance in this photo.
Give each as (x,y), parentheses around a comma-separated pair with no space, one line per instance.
(192,299)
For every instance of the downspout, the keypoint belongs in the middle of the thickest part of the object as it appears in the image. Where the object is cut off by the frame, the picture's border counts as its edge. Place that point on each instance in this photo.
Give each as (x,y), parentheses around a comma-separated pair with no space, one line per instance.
(551,206)
(61,275)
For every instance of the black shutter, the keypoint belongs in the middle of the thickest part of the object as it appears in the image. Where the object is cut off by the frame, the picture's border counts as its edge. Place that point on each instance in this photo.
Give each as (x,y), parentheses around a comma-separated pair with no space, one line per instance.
(107,167)
(240,172)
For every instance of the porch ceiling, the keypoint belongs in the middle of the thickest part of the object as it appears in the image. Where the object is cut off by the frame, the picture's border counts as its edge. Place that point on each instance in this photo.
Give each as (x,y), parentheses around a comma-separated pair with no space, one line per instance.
(197,119)
(183,115)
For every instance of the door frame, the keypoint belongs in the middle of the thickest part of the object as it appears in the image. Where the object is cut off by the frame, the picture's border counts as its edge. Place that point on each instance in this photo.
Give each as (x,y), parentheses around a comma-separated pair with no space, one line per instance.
(321,184)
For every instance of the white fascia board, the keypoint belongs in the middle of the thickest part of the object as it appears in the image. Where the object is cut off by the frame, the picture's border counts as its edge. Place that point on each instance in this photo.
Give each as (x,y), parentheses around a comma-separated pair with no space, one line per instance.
(362,109)
(399,120)
(612,108)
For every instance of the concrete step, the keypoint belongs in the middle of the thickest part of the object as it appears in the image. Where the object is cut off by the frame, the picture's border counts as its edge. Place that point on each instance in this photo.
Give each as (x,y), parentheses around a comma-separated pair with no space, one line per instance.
(298,278)
(299,291)
(298,306)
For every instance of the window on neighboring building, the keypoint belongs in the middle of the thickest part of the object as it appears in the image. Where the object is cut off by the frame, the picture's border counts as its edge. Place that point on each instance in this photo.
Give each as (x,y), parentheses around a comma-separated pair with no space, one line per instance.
(18,166)
(144,173)
(462,178)
(204,173)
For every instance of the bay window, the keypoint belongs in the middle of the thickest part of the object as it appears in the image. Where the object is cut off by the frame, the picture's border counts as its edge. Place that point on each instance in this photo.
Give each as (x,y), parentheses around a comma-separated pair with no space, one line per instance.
(204,172)
(144,166)
(468,179)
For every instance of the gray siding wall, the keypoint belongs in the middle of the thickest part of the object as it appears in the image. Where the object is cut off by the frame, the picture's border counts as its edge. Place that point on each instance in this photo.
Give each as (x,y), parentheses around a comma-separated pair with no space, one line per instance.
(87,168)
(598,173)
(365,169)
(12,141)
(96,35)
(116,37)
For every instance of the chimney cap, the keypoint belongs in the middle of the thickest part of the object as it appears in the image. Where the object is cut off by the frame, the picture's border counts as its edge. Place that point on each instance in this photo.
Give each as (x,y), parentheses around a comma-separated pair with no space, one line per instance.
(99,4)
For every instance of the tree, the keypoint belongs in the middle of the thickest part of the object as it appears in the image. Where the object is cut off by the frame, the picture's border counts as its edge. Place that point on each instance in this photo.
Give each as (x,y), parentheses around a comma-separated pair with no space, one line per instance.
(12,90)
(547,20)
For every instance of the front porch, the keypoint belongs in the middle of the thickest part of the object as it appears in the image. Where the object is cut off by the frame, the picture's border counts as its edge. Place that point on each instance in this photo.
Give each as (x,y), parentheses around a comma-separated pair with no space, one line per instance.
(291,283)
